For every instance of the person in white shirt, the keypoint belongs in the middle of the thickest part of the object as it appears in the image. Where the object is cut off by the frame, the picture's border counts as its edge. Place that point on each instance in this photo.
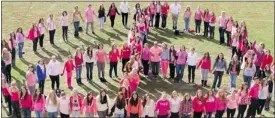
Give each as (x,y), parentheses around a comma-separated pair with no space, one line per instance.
(102,103)
(158,11)
(175,105)
(42,28)
(64,21)
(51,27)
(64,106)
(51,104)
(89,59)
(175,10)
(148,107)
(263,93)
(53,70)
(191,61)
(124,9)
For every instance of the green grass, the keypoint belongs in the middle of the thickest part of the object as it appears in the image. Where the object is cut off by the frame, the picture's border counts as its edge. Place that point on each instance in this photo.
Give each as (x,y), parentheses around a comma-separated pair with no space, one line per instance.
(259,17)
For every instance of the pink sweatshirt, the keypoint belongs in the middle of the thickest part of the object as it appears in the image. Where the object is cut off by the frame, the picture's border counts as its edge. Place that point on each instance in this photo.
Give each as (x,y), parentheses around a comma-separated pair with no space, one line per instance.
(89,108)
(39,105)
(162,107)
(198,105)
(232,103)
(198,15)
(30,78)
(210,104)
(205,64)
(220,105)
(26,102)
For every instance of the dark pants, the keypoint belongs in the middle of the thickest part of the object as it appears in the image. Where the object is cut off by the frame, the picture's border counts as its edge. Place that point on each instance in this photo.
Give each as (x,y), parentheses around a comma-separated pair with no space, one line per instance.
(51,33)
(113,65)
(162,116)
(258,71)
(219,113)
(241,111)
(112,18)
(234,51)
(251,112)
(8,101)
(157,20)
(212,32)
(16,109)
(155,68)
(206,27)
(13,56)
(217,77)
(198,26)
(191,72)
(55,79)
(208,115)
(34,46)
(8,73)
(163,22)
(239,54)
(41,85)
(260,107)
(145,64)
(26,112)
(76,28)
(64,115)
(124,61)
(65,32)
(197,114)
(230,113)
(41,38)
(134,115)
(221,31)
(174,115)
(124,19)
(267,102)
(152,20)
(228,35)
(172,70)
(89,71)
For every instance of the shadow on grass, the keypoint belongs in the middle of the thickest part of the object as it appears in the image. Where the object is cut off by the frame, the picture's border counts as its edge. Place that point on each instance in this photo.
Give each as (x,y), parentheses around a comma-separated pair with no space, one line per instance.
(47,52)
(72,45)
(112,35)
(121,33)
(102,40)
(84,41)
(26,62)
(62,51)
(21,72)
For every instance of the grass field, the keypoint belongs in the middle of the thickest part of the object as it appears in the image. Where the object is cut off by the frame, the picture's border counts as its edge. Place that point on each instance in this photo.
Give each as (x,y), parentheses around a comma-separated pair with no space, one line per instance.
(259,17)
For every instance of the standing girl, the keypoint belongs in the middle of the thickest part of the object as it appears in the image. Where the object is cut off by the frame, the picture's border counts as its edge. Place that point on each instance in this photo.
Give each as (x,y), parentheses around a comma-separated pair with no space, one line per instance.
(78,61)
(76,104)
(69,67)
(40,70)
(13,47)
(232,103)
(218,68)
(228,30)
(152,11)
(6,94)
(253,94)
(222,26)
(134,107)
(33,35)
(198,17)
(243,100)
(187,15)
(6,56)
(113,57)
(20,41)
(163,107)
(164,59)
(64,106)
(31,79)
(164,14)
(125,54)
(175,105)
(76,21)
(198,104)
(221,103)
(51,27)
(186,106)
(192,62)
(25,102)
(102,103)
(41,28)
(157,12)
(249,71)
(38,103)
(262,97)
(148,107)
(180,63)
(89,105)
(234,41)
(101,58)
(51,104)
(112,13)
(119,106)
(145,56)
(205,64)
(212,23)
(206,17)
(210,104)
(89,59)
(172,61)
(101,16)
(233,70)
(64,21)
(15,96)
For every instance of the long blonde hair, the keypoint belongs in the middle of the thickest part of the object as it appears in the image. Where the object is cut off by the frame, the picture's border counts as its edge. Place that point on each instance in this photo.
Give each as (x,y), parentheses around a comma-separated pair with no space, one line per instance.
(52,97)
(5,54)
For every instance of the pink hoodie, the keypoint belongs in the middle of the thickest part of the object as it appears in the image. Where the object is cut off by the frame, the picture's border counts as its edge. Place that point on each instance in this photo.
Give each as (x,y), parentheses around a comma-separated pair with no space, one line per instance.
(89,108)
(210,104)
(39,105)
(198,105)
(163,107)
(220,105)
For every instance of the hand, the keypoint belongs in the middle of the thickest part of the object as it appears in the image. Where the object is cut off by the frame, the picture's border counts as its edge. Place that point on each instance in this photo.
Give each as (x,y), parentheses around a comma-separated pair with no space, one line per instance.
(62,74)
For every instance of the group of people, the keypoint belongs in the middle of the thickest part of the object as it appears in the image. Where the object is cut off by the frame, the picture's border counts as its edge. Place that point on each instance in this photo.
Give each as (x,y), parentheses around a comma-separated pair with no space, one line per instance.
(139,59)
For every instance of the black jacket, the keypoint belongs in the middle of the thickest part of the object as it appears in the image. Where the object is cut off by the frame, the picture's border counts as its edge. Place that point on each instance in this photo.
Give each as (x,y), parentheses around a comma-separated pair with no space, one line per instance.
(110,11)
(101,13)
(238,67)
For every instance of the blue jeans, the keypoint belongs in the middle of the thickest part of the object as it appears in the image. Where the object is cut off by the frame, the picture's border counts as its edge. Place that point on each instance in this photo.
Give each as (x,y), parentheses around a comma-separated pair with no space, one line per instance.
(52,114)
(180,71)
(20,49)
(186,116)
(38,114)
(25,112)
(208,115)
(217,77)
(247,79)
(78,71)
(187,22)
(76,28)
(119,115)
(233,77)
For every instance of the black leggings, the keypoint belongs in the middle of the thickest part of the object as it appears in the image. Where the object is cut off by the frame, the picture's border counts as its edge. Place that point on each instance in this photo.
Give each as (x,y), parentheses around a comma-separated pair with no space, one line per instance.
(163,22)
(234,51)
(191,72)
(157,20)
(16,109)
(261,104)
(172,70)
(65,32)
(198,26)
(112,18)
(197,114)
(8,101)
(34,46)
(228,35)
(174,115)
(41,37)
(145,65)
(206,27)
(241,111)
(230,113)
(212,32)
(55,79)
(113,65)
(8,73)
(219,113)
(124,18)
(252,108)
(64,115)
(51,35)
(124,61)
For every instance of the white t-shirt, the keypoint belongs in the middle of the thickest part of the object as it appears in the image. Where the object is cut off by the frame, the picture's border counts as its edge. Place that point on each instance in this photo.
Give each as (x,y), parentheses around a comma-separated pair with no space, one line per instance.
(175,105)
(54,68)
(88,59)
(149,109)
(51,24)
(192,59)
(41,28)
(64,20)
(124,7)
(175,9)
(50,107)
(64,105)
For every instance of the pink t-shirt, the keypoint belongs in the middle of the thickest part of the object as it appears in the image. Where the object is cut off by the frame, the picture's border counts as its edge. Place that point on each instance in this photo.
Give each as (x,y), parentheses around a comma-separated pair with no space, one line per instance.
(222,21)
(198,15)
(232,103)
(30,78)
(101,55)
(145,54)
(89,13)
(182,57)
(155,54)
(187,14)
(229,26)
(162,107)
(38,105)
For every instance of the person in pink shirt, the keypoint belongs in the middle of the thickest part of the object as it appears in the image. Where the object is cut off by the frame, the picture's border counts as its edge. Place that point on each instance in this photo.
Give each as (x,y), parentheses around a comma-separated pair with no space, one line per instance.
(228,29)
(210,104)
(31,79)
(206,18)
(253,94)
(198,16)
(145,58)
(113,57)
(155,53)
(205,64)
(222,26)
(76,104)
(64,106)
(164,14)
(125,54)
(33,35)
(112,13)
(181,58)
(15,96)
(187,15)
(69,67)
(158,11)
(89,14)
(164,59)
(243,100)
(137,44)
(20,41)
(198,104)
(25,102)
(221,103)
(13,47)
(64,21)
(78,61)
(232,103)
(6,94)
(101,58)
(163,107)
(38,103)
(89,105)
(152,11)
(212,24)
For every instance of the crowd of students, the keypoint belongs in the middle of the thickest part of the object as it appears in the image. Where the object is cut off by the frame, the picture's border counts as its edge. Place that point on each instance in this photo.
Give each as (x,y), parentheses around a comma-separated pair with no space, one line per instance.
(139,59)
